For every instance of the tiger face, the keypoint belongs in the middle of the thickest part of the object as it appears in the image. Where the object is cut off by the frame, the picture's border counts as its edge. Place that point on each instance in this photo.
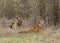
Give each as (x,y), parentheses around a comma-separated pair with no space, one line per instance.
(16,24)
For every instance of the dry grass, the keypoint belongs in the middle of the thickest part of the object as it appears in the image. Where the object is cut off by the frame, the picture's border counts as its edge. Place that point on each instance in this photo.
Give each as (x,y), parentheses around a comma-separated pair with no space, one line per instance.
(30,38)
(11,36)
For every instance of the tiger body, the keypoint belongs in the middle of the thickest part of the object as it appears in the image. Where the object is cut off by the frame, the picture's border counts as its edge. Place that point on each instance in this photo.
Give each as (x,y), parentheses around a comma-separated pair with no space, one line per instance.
(36,29)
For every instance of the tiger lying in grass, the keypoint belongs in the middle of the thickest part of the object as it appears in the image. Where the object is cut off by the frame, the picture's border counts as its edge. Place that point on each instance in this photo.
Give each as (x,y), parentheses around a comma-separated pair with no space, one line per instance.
(35,29)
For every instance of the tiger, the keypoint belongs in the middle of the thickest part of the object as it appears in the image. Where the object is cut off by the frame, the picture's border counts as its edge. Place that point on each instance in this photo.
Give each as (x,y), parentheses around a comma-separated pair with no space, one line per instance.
(16,24)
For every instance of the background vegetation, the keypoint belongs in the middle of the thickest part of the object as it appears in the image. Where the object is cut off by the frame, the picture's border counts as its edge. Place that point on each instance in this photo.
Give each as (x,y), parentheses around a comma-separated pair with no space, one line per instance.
(32,10)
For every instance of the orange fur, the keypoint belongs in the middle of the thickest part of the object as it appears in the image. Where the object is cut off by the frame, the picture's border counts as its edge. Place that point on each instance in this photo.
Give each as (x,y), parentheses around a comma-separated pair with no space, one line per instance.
(36,29)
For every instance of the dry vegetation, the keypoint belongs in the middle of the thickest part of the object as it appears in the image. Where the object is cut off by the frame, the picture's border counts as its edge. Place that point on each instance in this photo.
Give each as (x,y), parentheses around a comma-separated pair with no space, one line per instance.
(35,17)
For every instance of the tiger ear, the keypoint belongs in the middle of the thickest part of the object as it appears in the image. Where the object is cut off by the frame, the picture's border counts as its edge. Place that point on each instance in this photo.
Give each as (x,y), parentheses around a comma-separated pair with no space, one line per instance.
(16,17)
